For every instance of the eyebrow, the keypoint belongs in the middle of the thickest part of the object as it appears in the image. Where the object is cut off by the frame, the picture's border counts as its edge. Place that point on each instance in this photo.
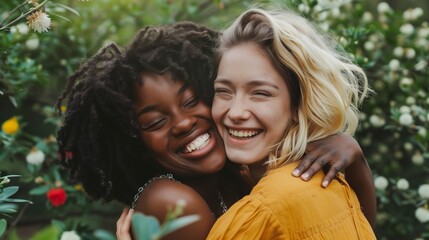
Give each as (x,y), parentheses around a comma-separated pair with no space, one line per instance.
(250,83)
(149,108)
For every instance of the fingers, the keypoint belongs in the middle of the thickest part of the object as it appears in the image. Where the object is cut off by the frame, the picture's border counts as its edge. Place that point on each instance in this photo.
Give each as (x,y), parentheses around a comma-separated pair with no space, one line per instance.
(314,168)
(306,162)
(330,175)
(123,224)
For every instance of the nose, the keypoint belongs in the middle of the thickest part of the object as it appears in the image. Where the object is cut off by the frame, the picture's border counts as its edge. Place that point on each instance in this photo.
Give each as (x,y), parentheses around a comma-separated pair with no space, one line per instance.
(184,124)
(238,110)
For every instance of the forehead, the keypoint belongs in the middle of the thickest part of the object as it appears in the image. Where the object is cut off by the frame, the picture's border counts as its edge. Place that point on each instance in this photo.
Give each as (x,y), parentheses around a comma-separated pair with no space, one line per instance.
(248,62)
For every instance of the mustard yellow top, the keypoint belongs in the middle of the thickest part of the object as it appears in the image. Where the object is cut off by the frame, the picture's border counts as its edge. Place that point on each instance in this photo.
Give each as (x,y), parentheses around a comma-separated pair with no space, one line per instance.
(281,206)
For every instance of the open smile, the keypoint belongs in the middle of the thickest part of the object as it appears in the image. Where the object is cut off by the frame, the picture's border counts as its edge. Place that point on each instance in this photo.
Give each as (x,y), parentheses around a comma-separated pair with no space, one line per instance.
(198,143)
(244,133)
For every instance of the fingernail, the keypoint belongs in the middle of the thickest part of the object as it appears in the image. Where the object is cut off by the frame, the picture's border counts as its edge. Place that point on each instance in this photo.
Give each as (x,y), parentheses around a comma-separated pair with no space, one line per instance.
(295,172)
(305,176)
(325,183)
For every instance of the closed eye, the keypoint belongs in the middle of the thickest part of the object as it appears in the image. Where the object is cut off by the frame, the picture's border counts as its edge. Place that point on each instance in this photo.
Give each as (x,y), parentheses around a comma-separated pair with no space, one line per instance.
(191,102)
(262,93)
(153,125)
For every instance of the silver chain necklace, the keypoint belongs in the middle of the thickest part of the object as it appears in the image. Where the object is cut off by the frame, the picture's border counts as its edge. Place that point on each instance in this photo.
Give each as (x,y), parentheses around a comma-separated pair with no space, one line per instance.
(222,203)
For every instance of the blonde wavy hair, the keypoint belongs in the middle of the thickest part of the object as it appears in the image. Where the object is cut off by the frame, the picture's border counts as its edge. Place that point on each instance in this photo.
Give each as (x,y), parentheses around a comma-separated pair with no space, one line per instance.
(326,87)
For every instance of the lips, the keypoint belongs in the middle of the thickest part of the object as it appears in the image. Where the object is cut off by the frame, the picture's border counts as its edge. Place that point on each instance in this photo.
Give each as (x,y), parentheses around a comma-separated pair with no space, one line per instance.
(198,143)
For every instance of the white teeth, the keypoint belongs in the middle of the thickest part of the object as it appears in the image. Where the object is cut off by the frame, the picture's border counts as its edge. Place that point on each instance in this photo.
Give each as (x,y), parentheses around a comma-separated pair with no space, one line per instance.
(198,143)
(243,133)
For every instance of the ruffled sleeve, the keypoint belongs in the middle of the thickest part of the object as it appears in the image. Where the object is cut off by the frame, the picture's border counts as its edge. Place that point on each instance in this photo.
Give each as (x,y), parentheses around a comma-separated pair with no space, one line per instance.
(248,218)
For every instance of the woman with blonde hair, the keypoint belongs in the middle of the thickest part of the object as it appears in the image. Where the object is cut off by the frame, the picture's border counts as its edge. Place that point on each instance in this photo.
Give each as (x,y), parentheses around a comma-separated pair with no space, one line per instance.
(281,85)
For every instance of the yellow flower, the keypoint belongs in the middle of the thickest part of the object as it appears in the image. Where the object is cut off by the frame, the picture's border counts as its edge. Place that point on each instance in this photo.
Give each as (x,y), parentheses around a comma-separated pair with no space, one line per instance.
(63,108)
(78,187)
(10,126)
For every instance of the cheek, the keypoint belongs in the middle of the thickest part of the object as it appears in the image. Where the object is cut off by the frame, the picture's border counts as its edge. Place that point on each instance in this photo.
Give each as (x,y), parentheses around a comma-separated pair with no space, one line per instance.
(217,109)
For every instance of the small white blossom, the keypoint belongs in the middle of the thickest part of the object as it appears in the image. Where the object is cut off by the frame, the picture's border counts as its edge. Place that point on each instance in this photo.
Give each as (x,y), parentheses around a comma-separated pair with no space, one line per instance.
(381,183)
(406,119)
(422,132)
(422,214)
(377,121)
(424,191)
(32,43)
(398,51)
(383,7)
(407,29)
(408,146)
(417,12)
(417,158)
(22,28)
(70,235)
(421,65)
(410,100)
(303,8)
(404,109)
(406,82)
(369,46)
(5,180)
(39,21)
(402,184)
(423,32)
(35,157)
(410,53)
(367,17)
(394,64)
(335,12)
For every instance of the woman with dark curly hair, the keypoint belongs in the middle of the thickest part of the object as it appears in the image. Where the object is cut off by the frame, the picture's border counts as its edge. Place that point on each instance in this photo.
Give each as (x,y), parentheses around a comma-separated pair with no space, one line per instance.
(138,129)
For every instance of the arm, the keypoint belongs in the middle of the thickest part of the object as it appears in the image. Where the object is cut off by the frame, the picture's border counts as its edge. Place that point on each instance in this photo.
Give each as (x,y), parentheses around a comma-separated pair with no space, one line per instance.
(162,195)
(341,151)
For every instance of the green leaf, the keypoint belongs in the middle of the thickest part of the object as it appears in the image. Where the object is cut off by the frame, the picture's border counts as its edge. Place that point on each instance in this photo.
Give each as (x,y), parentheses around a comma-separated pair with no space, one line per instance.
(144,227)
(67,8)
(104,235)
(3,225)
(48,233)
(16,200)
(39,190)
(7,192)
(6,207)
(179,223)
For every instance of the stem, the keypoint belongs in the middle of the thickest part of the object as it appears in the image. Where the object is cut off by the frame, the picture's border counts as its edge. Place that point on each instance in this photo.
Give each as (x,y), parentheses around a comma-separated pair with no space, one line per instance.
(24,15)
(13,10)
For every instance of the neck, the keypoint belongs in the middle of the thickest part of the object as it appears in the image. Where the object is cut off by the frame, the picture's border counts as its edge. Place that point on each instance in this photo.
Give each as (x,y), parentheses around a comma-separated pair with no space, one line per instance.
(257,171)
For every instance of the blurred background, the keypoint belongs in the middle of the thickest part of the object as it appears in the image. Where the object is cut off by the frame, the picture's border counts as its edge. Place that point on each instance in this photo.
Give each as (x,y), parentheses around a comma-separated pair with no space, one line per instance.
(389,39)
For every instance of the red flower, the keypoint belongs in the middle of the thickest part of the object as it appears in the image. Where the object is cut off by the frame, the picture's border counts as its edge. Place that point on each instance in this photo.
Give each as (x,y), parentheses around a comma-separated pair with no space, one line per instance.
(57,196)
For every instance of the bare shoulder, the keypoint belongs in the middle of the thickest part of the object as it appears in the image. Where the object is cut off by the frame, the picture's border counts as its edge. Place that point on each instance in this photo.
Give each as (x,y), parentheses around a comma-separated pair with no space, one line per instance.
(163,194)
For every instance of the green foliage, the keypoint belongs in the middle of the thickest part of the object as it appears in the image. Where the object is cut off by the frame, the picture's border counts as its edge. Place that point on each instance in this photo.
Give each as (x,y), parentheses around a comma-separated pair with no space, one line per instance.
(148,227)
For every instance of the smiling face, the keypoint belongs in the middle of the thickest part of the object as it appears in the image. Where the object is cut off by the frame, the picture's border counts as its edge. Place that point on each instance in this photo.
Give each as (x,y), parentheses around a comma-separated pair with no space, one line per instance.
(177,126)
(251,107)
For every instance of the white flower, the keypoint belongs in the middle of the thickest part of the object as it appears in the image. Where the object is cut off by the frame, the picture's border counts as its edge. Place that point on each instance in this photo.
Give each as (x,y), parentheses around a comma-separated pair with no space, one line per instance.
(394,64)
(424,191)
(410,53)
(423,32)
(408,146)
(417,12)
(369,46)
(406,119)
(377,121)
(5,180)
(381,183)
(404,109)
(35,157)
(39,21)
(398,51)
(69,235)
(422,214)
(22,28)
(383,7)
(417,158)
(303,8)
(406,82)
(421,65)
(335,12)
(367,17)
(402,184)
(422,132)
(410,100)
(32,43)
(407,29)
